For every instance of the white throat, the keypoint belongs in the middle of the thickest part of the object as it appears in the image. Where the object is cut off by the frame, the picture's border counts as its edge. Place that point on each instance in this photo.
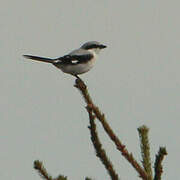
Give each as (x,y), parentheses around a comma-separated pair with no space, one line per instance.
(95,51)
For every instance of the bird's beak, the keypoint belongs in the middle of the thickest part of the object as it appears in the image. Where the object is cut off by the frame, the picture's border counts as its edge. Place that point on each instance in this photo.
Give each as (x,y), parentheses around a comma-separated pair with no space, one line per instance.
(102,46)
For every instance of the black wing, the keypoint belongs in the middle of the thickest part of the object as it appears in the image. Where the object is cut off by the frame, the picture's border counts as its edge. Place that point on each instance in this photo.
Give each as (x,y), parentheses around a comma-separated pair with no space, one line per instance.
(74,59)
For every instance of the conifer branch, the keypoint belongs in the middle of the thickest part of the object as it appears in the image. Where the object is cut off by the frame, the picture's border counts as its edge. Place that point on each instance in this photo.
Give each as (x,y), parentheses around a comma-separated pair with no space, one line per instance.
(158,163)
(145,150)
(83,89)
(61,177)
(100,152)
(42,171)
(87,178)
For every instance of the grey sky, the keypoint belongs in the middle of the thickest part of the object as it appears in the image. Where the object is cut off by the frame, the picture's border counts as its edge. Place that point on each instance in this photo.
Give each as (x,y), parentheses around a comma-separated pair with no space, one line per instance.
(135,82)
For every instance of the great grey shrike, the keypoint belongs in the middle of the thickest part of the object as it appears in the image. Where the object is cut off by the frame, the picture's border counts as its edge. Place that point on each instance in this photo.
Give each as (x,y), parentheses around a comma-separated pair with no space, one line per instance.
(76,62)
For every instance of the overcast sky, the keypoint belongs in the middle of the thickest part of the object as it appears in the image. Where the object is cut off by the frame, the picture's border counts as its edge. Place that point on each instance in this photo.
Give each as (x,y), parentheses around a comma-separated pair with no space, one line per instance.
(135,82)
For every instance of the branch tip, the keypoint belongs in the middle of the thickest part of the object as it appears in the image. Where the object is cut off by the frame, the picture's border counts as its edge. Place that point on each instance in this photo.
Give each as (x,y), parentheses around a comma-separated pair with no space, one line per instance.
(158,163)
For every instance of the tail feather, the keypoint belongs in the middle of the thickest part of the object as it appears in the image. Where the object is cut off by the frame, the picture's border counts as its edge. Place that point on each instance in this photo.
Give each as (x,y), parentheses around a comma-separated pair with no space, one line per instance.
(42,59)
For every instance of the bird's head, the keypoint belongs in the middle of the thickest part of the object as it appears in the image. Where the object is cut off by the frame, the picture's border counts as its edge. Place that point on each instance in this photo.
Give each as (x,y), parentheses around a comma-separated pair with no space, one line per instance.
(93,46)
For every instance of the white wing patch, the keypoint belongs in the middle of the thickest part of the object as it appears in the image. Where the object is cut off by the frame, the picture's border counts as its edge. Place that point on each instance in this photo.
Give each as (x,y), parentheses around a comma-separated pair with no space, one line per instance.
(57,61)
(74,61)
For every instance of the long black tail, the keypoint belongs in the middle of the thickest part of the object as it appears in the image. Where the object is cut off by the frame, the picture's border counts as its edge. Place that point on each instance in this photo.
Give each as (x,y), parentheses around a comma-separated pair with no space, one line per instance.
(42,59)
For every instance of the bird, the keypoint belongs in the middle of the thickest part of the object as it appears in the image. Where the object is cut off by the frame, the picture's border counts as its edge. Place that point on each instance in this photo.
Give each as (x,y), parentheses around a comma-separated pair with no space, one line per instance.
(77,62)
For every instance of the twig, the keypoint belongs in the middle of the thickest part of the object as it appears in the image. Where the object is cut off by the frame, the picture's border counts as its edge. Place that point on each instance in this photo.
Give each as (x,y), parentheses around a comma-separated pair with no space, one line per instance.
(61,177)
(121,147)
(158,163)
(83,89)
(145,150)
(100,152)
(42,171)
(38,165)
(87,178)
